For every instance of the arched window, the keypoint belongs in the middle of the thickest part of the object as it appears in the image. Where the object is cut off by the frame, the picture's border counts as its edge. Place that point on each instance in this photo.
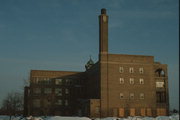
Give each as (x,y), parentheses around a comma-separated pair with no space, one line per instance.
(160,72)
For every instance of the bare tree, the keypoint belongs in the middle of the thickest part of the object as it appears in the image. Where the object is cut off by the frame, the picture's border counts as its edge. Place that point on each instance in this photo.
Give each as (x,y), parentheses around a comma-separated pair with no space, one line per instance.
(13,104)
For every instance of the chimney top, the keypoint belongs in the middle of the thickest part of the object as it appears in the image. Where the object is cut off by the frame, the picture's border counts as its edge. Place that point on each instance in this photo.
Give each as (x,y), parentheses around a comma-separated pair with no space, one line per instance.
(103,11)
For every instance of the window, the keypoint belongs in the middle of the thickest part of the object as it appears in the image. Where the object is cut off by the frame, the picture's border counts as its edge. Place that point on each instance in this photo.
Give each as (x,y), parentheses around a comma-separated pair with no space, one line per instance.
(159,84)
(36,103)
(160,72)
(141,96)
(42,80)
(121,80)
(141,71)
(66,102)
(131,70)
(131,95)
(67,81)
(58,81)
(37,90)
(47,81)
(59,102)
(67,91)
(47,90)
(149,111)
(132,112)
(36,80)
(143,112)
(121,69)
(97,111)
(58,91)
(160,97)
(121,96)
(141,81)
(131,80)
(46,102)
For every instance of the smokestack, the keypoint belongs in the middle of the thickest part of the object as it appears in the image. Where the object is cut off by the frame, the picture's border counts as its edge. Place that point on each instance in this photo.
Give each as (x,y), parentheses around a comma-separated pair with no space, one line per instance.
(103,11)
(103,32)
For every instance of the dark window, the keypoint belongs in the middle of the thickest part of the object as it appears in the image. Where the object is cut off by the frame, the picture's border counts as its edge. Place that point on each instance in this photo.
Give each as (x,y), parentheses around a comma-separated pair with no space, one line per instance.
(141,70)
(121,69)
(131,95)
(160,97)
(160,72)
(131,70)
(121,95)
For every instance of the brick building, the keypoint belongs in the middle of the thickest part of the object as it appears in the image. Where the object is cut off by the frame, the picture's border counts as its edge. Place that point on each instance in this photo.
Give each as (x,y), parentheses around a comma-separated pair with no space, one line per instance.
(117,85)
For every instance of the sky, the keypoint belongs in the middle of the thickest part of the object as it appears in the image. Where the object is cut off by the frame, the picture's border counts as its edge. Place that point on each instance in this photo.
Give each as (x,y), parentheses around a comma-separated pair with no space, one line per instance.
(62,34)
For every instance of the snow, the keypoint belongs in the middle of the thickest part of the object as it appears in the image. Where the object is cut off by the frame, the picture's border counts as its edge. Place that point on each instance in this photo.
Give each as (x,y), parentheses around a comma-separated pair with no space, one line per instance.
(172,117)
(12,118)
(67,118)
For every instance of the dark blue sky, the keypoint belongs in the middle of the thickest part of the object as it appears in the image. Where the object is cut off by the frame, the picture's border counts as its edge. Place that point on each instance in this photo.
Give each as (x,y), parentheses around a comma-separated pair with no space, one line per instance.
(61,34)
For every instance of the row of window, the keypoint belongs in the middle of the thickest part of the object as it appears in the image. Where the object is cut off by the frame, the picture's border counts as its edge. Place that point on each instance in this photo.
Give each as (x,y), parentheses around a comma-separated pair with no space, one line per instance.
(134,112)
(131,70)
(131,81)
(139,112)
(131,96)
(58,81)
(58,91)
(60,102)
(41,80)
(37,102)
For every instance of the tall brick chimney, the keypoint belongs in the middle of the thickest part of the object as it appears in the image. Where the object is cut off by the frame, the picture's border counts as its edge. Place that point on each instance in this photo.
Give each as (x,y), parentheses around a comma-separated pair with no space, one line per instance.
(103,32)
(103,64)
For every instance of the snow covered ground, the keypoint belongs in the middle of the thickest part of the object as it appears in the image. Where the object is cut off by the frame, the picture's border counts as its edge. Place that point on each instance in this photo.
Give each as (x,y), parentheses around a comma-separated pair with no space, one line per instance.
(172,117)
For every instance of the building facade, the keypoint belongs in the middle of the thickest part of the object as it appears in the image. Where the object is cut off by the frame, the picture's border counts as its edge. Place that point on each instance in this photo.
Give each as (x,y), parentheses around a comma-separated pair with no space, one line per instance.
(53,92)
(117,85)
